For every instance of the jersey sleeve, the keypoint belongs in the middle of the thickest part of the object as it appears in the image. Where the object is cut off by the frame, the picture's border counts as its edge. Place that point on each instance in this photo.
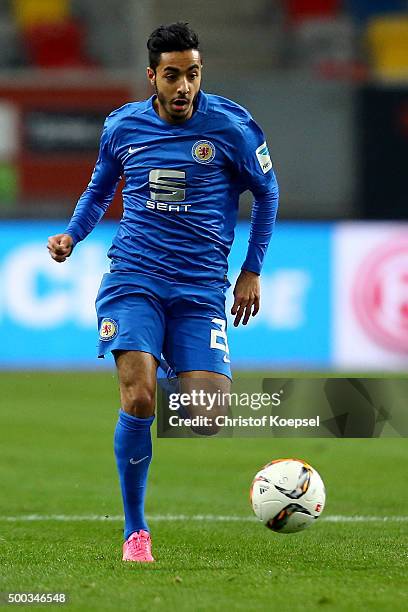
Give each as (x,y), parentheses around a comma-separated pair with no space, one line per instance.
(99,193)
(256,173)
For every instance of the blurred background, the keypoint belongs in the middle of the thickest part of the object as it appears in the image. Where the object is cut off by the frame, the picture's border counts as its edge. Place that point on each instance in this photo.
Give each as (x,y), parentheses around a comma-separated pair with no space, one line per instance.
(328,82)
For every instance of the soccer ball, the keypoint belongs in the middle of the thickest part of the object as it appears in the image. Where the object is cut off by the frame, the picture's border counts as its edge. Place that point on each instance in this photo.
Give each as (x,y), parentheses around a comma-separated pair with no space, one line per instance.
(287,495)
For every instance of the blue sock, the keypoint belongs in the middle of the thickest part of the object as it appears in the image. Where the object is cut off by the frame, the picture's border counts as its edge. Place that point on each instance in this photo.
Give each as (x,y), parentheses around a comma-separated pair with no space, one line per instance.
(133,452)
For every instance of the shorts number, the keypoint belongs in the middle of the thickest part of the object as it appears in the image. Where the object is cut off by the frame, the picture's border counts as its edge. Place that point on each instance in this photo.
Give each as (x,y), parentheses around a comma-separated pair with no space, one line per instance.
(219,334)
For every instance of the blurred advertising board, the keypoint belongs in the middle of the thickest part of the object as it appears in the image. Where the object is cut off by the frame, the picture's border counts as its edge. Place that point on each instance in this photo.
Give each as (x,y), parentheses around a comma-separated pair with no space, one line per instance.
(334,296)
(47,314)
(292,328)
(370,276)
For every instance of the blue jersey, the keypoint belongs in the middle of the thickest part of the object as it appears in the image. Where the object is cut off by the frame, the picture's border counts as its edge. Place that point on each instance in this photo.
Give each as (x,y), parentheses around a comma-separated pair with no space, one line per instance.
(182,187)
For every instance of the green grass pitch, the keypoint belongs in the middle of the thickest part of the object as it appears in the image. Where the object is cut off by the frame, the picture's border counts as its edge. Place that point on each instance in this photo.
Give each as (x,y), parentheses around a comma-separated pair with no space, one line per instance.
(56,459)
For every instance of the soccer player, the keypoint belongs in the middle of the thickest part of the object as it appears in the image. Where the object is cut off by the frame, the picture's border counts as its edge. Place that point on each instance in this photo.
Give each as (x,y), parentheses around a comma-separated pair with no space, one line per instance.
(185,156)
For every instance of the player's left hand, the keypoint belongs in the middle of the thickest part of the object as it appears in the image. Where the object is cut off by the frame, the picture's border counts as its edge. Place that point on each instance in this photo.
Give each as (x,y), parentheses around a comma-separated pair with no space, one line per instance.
(247,294)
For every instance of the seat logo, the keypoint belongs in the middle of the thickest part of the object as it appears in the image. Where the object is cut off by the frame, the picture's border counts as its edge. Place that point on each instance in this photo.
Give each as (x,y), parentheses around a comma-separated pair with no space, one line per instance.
(167,185)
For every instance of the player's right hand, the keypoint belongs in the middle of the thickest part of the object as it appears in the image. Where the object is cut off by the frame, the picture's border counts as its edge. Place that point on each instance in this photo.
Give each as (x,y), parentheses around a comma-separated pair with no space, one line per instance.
(60,246)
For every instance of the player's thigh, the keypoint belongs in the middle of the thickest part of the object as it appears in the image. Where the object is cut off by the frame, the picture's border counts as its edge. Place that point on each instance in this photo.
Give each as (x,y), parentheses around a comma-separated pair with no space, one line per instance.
(211,389)
(219,381)
(137,381)
(209,398)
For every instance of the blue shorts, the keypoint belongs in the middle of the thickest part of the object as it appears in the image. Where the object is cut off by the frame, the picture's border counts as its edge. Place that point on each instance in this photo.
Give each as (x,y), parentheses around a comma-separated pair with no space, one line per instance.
(184,323)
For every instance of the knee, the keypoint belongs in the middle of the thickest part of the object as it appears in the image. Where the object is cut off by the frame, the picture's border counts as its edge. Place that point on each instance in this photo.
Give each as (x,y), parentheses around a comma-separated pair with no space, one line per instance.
(137,400)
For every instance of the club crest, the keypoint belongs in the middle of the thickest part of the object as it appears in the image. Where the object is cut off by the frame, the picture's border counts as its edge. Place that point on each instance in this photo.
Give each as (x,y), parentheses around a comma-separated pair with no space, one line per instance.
(108,329)
(203,151)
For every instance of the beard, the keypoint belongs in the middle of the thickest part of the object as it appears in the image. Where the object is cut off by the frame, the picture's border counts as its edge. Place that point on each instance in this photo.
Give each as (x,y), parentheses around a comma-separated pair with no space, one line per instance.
(166,104)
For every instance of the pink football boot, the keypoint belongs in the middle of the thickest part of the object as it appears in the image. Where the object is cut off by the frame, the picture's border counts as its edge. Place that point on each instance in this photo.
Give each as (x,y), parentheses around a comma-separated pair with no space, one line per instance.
(138,547)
